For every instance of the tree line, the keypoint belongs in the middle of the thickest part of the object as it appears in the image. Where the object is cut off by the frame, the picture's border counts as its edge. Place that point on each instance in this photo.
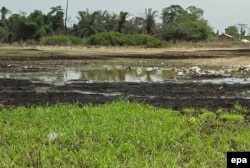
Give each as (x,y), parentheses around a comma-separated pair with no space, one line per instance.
(174,23)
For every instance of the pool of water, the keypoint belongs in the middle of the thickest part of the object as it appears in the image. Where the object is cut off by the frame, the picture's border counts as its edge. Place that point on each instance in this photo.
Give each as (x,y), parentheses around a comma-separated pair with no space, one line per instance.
(109,73)
(101,74)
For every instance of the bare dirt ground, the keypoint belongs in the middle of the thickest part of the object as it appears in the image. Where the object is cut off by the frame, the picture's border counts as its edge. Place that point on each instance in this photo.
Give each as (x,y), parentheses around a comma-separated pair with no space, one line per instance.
(14,92)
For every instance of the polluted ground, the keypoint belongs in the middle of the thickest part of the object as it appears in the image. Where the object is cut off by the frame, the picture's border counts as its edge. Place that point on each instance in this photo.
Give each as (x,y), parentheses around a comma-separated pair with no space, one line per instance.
(161,77)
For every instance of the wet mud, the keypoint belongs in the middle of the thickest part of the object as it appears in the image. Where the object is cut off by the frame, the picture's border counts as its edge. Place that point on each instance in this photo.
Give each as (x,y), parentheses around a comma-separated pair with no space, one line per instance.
(172,95)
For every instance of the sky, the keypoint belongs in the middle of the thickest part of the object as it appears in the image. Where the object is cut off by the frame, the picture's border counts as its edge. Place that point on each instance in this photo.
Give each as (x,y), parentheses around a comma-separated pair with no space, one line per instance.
(219,13)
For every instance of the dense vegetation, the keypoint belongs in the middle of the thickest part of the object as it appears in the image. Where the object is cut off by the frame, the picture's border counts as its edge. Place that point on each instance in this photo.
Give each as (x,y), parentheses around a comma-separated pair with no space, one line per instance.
(177,24)
(119,39)
(120,134)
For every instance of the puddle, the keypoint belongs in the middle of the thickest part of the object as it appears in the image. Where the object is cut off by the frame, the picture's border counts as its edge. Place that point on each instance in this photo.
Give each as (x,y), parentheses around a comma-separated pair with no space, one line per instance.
(227,80)
(102,74)
(107,73)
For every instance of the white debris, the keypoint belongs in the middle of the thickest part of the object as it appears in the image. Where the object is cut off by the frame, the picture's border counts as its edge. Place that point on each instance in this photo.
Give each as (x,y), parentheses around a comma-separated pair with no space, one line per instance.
(229,70)
(53,136)
(138,71)
(195,69)
(221,72)
(244,68)
(149,69)
(211,72)
(180,73)
(245,41)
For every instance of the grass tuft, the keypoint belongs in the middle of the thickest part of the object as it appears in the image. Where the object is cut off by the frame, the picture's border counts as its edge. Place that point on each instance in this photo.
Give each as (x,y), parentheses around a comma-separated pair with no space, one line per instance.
(232,117)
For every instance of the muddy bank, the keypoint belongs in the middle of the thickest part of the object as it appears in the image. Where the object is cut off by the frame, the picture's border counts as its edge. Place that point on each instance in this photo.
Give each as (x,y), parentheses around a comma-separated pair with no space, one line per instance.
(109,53)
(174,95)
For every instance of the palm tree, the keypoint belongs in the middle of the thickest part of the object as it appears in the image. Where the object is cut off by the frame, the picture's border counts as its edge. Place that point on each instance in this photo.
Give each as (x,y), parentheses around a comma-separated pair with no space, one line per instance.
(122,20)
(110,22)
(4,11)
(149,20)
(56,20)
(55,10)
(90,23)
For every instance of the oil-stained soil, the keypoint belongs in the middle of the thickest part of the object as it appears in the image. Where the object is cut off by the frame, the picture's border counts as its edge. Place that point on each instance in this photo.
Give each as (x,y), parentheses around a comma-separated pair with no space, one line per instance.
(177,95)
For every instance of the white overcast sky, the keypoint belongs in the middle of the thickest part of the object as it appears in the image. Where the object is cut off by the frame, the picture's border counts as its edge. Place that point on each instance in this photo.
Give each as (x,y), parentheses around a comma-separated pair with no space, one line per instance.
(219,13)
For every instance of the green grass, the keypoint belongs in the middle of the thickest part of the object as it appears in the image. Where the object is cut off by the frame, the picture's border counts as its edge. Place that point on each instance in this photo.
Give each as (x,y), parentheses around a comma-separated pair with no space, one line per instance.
(118,134)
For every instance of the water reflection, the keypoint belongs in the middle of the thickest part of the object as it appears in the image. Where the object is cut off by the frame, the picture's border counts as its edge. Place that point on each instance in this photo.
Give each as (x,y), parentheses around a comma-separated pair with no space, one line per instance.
(102,74)
(111,74)
(72,75)
(127,75)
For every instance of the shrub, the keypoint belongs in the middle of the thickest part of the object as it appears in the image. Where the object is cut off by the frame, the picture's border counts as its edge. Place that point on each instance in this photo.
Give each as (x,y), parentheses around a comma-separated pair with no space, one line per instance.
(117,39)
(61,40)
(147,40)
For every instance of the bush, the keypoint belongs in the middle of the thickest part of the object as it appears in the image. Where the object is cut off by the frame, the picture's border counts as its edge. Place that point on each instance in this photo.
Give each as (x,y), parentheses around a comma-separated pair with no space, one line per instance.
(61,40)
(147,40)
(118,39)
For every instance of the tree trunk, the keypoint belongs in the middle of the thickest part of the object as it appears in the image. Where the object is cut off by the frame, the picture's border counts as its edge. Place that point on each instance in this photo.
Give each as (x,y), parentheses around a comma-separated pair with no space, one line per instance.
(66,18)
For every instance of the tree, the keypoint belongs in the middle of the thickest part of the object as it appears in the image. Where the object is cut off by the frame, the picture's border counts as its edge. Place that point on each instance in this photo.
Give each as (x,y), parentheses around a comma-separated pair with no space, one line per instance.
(169,14)
(90,23)
(149,20)
(55,10)
(5,34)
(55,17)
(4,11)
(121,20)
(242,28)
(188,26)
(195,11)
(232,31)
(111,22)
(22,28)
(66,17)
(39,18)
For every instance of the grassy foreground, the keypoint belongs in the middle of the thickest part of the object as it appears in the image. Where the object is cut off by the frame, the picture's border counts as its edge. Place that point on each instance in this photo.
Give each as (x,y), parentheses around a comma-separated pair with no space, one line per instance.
(120,134)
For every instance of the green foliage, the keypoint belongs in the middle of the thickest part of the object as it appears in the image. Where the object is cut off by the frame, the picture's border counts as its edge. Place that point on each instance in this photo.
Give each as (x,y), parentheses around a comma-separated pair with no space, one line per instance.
(146,40)
(169,14)
(61,40)
(232,117)
(178,24)
(188,27)
(22,28)
(185,25)
(238,108)
(117,39)
(232,30)
(208,116)
(118,134)
(4,31)
(109,38)
(149,21)
(188,111)
(92,23)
